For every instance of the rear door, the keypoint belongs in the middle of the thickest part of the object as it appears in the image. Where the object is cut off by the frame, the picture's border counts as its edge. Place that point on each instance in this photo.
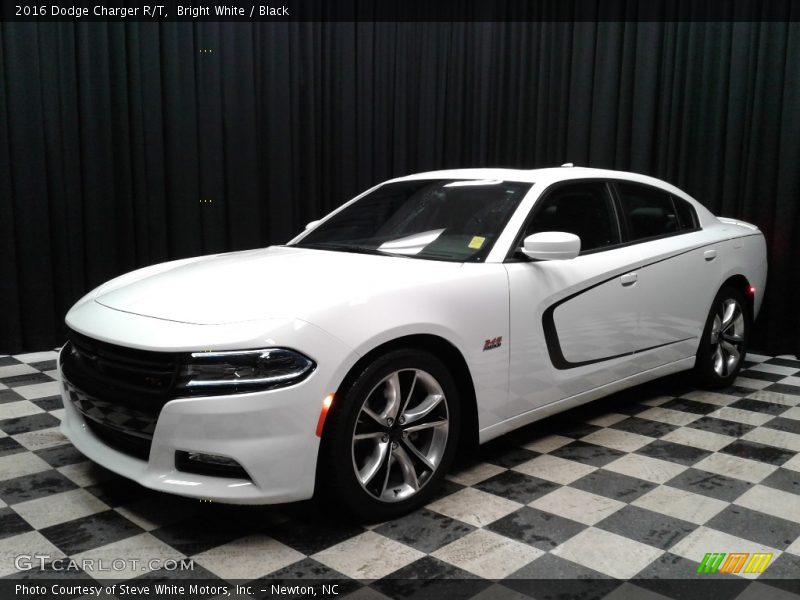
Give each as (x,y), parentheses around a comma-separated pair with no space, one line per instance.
(678,262)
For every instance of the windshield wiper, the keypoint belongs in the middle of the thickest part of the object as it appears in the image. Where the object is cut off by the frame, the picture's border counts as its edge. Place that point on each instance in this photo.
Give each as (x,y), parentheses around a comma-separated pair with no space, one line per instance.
(347,248)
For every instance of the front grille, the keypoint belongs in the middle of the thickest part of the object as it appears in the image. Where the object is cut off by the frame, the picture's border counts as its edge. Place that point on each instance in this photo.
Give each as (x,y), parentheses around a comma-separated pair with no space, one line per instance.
(118,369)
(119,391)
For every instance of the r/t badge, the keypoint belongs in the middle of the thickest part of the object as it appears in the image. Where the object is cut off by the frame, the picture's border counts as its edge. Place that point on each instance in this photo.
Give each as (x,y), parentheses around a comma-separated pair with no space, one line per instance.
(493,343)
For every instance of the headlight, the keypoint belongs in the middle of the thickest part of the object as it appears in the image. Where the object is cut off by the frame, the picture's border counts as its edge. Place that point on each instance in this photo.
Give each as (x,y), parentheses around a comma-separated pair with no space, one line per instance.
(243,370)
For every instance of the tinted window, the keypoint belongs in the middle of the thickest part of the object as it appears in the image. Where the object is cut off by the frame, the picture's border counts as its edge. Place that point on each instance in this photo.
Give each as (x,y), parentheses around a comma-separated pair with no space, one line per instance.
(584,209)
(649,212)
(687,218)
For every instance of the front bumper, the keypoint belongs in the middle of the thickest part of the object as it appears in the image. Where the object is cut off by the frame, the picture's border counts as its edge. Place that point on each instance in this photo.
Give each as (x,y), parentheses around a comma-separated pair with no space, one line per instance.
(263,432)
(271,434)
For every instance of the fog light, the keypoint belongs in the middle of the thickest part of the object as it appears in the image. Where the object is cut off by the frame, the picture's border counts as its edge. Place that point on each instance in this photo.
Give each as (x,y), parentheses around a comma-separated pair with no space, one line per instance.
(209,464)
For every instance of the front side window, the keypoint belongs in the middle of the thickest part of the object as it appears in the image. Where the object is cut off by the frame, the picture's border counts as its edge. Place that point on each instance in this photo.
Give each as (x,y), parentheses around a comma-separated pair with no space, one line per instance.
(584,209)
(650,212)
(455,220)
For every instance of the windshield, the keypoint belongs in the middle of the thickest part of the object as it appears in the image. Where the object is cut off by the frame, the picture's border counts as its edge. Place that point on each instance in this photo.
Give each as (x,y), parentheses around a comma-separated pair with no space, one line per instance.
(457,220)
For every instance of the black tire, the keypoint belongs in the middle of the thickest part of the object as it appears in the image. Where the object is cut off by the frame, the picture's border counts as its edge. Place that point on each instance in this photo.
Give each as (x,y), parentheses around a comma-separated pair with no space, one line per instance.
(339,479)
(716,365)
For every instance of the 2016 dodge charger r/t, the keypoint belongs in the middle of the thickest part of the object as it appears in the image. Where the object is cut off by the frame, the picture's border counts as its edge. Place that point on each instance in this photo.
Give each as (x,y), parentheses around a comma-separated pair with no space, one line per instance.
(431,311)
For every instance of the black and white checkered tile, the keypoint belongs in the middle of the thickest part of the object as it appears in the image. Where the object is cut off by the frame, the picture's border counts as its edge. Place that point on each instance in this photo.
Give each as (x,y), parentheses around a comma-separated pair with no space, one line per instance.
(638,486)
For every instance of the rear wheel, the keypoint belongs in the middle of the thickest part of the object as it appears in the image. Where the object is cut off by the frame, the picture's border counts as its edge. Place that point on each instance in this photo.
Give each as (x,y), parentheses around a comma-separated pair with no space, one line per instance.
(724,343)
(391,436)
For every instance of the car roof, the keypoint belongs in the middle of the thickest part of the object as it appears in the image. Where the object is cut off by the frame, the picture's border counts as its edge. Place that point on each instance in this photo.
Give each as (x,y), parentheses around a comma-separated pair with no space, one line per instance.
(545,176)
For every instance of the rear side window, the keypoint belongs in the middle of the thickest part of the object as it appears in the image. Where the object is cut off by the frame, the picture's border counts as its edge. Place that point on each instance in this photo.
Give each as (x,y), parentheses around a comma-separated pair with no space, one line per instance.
(650,212)
(687,217)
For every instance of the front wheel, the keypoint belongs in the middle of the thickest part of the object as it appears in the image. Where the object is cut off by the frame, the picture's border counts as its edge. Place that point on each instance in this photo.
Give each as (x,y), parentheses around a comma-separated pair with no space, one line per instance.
(724,343)
(391,436)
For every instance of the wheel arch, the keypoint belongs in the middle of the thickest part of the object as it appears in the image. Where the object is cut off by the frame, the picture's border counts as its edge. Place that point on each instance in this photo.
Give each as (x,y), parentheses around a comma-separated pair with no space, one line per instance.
(741,283)
(453,359)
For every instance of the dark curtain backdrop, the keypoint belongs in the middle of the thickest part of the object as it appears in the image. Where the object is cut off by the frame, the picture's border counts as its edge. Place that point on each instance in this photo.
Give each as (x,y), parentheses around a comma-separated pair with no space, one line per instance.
(123,145)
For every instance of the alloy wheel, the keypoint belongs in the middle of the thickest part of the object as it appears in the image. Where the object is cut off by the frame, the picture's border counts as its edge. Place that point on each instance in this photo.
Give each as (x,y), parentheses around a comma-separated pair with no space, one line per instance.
(400,435)
(727,337)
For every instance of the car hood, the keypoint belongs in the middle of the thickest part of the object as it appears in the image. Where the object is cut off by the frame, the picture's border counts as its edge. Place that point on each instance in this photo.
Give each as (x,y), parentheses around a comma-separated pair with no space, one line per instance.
(275,282)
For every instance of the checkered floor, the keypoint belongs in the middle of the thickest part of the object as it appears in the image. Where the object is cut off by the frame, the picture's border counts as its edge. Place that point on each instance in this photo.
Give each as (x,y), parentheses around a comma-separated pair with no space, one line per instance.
(638,487)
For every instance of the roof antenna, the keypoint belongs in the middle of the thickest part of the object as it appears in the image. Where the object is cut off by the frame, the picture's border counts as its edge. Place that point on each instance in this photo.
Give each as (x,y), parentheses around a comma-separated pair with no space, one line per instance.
(568,165)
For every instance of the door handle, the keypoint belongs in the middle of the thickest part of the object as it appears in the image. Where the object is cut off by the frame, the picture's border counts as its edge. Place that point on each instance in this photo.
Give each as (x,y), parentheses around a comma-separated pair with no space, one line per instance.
(628,279)
(710,254)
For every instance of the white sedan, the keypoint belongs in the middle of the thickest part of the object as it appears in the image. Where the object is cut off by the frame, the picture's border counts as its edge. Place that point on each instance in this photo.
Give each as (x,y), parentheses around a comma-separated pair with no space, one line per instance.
(429,314)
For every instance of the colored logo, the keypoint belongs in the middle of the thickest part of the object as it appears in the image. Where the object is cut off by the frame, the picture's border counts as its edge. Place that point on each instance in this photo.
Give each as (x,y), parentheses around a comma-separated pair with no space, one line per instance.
(493,343)
(734,562)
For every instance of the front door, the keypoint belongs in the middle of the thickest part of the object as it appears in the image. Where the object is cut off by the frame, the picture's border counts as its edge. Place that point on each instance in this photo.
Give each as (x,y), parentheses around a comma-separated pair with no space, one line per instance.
(573,322)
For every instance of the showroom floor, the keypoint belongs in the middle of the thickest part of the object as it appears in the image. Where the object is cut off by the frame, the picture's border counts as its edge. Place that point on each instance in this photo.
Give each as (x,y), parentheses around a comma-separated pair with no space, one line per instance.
(639,486)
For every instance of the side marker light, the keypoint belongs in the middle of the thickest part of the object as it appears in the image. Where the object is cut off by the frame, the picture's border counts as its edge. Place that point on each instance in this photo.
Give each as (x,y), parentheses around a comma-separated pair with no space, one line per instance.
(323,413)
